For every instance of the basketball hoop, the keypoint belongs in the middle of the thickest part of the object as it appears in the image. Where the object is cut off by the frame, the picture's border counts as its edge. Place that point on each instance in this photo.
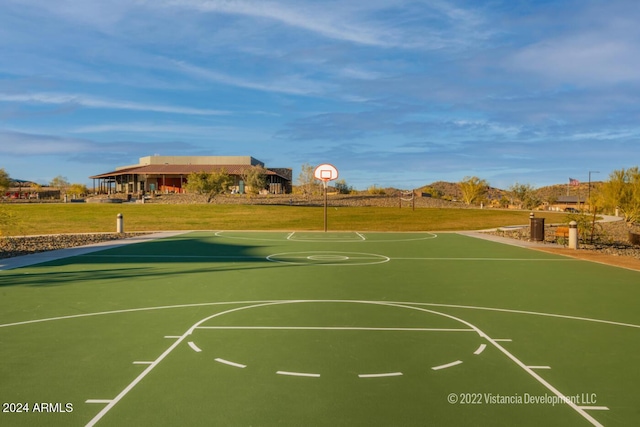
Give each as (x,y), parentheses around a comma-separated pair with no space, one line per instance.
(325,173)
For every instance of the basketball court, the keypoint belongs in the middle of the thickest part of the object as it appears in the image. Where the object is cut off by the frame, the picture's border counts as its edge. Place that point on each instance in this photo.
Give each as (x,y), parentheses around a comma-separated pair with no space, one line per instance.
(313,328)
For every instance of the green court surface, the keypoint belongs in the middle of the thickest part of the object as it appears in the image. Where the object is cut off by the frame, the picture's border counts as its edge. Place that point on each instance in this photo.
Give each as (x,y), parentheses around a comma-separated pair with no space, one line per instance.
(319,329)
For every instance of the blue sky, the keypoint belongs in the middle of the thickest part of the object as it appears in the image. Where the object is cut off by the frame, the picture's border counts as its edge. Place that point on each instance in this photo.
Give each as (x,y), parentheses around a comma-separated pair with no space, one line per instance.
(393,93)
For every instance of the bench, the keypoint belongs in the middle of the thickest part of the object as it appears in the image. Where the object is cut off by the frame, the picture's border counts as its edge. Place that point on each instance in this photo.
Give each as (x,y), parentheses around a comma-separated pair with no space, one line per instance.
(562,232)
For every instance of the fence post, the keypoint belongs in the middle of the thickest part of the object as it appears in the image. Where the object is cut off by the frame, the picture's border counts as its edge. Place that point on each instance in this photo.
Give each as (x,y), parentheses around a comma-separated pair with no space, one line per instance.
(119,224)
(573,235)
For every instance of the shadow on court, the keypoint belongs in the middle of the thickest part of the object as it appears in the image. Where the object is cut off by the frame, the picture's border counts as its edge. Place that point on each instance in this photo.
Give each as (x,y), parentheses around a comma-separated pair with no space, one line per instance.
(159,258)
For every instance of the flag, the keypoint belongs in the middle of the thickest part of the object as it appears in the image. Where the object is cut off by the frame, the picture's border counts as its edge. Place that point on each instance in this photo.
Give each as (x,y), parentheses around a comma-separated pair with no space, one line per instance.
(574,182)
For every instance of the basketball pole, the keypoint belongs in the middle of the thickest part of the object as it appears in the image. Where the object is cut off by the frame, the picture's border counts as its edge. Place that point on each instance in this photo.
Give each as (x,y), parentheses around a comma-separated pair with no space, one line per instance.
(325,205)
(325,173)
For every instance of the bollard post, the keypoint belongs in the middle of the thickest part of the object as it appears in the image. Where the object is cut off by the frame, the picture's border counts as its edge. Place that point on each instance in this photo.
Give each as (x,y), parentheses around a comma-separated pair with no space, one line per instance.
(573,235)
(531,226)
(119,224)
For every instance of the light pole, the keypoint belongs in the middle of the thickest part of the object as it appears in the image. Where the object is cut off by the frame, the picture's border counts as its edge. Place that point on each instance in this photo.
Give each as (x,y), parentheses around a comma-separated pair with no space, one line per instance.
(589,189)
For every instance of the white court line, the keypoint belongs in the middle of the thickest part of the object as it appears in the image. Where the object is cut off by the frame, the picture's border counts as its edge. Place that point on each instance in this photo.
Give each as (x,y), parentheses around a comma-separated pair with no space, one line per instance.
(447,365)
(409,305)
(315,237)
(594,408)
(486,259)
(132,384)
(172,336)
(390,374)
(332,328)
(423,236)
(513,358)
(503,339)
(302,257)
(333,257)
(174,256)
(194,347)
(209,304)
(480,349)
(142,363)
(539,367)
(298,374)
(228,362)
(548,385)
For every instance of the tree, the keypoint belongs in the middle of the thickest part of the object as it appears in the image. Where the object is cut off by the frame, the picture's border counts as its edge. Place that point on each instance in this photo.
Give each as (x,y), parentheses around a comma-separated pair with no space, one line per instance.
(621,191)
(307,180)
(375,190)
(60,182)
(5,181)
(524,195)
(473,189)
(255,178)
(211,184)
(435,193)
(77,189)
(342,187)
(6,218)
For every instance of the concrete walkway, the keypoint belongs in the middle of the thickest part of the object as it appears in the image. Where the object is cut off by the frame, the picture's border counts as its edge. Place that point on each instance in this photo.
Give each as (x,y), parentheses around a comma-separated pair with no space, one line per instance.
(40,257)
(507,240)
(483,234)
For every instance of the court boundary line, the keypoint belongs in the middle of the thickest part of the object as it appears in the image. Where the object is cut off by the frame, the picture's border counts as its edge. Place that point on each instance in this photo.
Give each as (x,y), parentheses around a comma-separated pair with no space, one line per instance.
(113,402)
(581,410)
(381,259)
(427,235)
(205,304)
(329,328)
(291,237)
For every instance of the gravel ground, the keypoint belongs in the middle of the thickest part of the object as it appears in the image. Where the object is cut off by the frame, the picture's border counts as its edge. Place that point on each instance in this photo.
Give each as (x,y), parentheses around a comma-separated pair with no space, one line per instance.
(16,246)
(295,200)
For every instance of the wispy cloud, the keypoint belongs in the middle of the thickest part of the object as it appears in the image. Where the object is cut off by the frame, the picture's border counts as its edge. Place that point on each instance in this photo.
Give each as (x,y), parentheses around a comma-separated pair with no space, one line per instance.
(164,133)
(18,143)
(383,24)
(149,127)
(319,18)
(399,87)
(582,59)
(103,103)
(598,44)
(289,84)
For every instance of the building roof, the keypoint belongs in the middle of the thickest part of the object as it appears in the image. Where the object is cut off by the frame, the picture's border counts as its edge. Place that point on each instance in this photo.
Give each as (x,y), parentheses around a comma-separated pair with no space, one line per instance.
(568,199)
(177,170)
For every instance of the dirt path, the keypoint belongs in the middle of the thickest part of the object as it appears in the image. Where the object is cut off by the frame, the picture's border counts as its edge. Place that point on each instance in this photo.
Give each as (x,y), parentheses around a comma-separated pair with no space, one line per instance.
(616,260)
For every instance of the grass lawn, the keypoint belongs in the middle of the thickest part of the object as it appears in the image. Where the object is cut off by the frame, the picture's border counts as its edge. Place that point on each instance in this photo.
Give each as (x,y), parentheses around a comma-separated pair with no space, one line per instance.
(30,219)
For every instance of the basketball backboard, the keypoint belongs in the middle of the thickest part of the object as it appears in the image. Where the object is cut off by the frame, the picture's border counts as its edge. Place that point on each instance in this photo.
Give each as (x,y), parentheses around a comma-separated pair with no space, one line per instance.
(326,172)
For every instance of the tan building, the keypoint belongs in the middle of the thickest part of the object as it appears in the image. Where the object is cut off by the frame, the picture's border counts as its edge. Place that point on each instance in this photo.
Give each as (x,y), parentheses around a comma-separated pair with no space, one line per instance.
(168,174)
